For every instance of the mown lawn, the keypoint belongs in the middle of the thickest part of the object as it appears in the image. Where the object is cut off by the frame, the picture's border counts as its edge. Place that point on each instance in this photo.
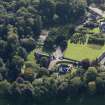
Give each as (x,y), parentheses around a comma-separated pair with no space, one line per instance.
(79,52)
(95,30)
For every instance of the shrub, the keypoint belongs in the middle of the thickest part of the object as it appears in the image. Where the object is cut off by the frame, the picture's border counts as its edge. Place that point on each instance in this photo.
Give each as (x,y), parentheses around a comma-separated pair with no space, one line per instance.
(98,41)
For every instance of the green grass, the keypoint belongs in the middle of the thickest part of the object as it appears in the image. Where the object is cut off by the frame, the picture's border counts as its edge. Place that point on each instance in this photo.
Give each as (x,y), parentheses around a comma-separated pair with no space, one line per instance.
(79,52)
(31,57)
(95,30)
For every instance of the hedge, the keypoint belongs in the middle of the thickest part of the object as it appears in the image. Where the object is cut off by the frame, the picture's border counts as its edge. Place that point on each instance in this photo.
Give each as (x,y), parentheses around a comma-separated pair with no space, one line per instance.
(98,41)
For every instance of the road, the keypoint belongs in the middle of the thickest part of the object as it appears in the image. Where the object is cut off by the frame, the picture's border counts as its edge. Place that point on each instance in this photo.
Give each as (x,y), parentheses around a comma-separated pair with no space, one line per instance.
(58,55)
(97,11)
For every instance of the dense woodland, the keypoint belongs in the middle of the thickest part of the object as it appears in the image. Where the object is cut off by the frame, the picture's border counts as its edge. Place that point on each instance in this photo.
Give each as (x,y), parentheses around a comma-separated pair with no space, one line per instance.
(21,22)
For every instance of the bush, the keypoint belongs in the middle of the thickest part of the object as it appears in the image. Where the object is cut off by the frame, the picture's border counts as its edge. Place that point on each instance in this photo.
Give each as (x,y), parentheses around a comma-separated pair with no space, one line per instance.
(78,38)
(91,74)
(85,63)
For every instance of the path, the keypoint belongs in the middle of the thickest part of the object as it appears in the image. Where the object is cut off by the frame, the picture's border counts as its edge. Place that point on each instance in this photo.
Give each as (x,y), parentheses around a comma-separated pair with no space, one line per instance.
(43,36)
(58,55)
(31,57)
(54,62)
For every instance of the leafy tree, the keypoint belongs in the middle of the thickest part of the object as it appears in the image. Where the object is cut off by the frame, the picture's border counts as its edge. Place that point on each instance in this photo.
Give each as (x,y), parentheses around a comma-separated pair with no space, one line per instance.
(61,41)
(3,49)
(21,90)
(100,84)
(3,69)
(80,72)
(92,87)
(15,67)
(70,8)
(47,10)
(91,74)
(3,30)
(76,86)
(49,44)
(22,52)
(44,62)
(63,89)
(4,87)
(42,72)
(95,1)
(85,63)
(28,43)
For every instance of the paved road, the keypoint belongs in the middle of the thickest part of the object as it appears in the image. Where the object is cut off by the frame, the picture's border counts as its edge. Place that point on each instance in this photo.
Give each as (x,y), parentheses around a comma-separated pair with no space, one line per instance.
(58,54)
(97,11)
(102,61)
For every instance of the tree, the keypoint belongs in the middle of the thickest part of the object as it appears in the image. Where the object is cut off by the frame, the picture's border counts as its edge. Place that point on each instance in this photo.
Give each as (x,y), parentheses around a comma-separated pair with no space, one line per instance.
(70,10)
(47,10)
(3,30)
(28,43)
(12,42)
(44,89)
(76,86)
(22,52)
(95,1)
(3,49)
(63,89)
(100,84)
(44,62)
(61,41)
(80,72)
(62,12)
(22,91)
(3,69)
(91,74)
(15,66)
(56,37)
(85,63)
(4,87)
(49,44)
(28,74)
(92,87)
(42,72)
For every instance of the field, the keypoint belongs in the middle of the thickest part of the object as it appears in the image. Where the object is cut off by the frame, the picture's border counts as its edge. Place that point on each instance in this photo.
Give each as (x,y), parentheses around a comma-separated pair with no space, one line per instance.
(79,52)
(95,30)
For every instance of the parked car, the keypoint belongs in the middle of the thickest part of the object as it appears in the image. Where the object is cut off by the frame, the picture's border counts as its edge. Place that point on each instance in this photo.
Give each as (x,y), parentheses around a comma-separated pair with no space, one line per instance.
(90,25)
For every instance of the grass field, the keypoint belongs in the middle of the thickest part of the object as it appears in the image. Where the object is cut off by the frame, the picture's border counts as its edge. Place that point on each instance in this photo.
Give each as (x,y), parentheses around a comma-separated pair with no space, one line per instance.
(31,56)
(95,30)
(79,52)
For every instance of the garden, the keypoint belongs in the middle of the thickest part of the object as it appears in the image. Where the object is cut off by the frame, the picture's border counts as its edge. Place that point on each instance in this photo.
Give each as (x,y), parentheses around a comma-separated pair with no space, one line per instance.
(87,42)
(80,51)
